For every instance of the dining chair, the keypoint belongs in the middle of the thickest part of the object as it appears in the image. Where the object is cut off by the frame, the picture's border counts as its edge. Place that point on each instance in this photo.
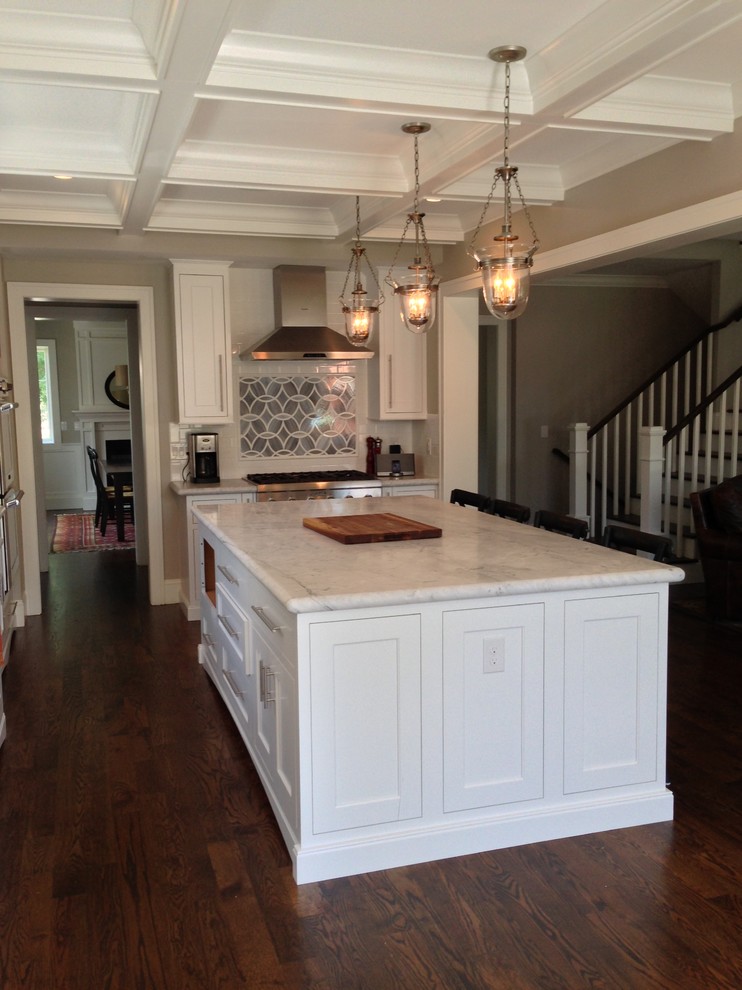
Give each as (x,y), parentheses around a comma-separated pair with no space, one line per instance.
(631,540)
(459,496)
(508,510)
(105,505)
(554,522)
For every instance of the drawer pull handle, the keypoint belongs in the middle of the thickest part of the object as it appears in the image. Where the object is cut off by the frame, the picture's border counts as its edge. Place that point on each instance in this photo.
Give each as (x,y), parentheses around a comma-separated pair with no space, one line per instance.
(227,625)
(227,574)
(230,680)
(208,640)
(259,610)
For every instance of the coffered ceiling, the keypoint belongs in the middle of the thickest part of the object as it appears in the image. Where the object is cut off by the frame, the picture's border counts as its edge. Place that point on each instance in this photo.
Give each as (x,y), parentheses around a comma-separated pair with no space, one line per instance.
(267,117)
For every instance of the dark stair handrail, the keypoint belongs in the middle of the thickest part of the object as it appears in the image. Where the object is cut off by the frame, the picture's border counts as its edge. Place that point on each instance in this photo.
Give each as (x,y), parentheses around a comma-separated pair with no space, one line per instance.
(734,317)
(702,406)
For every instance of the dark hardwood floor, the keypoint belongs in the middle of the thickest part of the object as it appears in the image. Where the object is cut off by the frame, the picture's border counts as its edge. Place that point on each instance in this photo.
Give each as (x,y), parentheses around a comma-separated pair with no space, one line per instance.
(137,849)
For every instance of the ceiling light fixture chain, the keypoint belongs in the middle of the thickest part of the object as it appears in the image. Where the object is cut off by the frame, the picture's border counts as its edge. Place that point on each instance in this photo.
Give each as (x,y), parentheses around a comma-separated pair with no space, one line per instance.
(360,315)
(505,271)
(417,298)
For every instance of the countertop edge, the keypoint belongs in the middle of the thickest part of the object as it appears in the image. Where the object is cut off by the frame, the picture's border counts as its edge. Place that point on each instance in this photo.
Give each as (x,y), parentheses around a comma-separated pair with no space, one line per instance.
(299,600)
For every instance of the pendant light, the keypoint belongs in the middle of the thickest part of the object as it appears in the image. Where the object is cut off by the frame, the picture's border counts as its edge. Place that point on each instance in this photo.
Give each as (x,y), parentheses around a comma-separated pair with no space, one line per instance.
(505,270)
(361,316)
(417,297)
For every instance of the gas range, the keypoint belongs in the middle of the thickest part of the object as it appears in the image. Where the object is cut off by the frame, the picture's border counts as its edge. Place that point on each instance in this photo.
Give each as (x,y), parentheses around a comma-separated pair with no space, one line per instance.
(302,485)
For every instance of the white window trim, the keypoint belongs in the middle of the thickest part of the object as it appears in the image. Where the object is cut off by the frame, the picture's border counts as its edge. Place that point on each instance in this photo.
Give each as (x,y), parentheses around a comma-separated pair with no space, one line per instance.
(53,387)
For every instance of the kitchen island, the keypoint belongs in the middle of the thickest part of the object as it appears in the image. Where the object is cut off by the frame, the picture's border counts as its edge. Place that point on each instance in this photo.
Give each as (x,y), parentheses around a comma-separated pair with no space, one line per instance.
(426,698)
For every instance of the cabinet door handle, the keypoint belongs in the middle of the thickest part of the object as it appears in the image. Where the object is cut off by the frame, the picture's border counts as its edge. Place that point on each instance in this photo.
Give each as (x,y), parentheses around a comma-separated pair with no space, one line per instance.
(269,695)
(228,626)
(227,574)
(230,680)
(221,383)
(208,640)
(259,610)
(268,698)
(391,392)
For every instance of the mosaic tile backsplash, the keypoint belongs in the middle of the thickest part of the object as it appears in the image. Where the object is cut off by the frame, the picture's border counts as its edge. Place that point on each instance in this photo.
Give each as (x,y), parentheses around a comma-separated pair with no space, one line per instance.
(297,415)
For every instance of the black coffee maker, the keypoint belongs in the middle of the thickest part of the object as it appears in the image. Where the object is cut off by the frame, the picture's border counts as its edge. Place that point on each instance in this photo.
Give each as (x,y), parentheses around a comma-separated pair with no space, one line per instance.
(203,451)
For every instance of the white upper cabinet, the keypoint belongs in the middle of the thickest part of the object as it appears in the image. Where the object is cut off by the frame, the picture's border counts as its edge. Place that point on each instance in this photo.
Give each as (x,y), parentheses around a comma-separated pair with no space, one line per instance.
(203,341)
(398,374)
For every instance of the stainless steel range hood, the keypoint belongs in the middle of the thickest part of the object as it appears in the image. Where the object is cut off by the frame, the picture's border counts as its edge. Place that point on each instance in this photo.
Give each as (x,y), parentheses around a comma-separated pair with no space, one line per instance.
(301,313)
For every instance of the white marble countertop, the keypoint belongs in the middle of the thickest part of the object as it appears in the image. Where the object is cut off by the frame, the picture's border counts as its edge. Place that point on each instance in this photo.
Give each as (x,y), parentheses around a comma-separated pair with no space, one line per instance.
(227,486)
(478,555)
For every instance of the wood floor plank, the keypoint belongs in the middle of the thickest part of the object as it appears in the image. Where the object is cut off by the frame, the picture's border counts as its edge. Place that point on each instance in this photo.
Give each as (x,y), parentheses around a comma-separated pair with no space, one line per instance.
(140,852)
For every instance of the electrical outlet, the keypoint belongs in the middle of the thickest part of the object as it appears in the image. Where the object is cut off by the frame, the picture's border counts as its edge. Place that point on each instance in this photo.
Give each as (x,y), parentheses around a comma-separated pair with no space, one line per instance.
(493,660)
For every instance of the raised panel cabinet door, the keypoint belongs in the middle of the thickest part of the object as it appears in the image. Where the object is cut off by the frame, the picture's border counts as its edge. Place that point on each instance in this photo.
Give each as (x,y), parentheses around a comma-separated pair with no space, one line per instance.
(276,725)
(613,664)
(398,375)
(203,346)
(493,706)
(365,702)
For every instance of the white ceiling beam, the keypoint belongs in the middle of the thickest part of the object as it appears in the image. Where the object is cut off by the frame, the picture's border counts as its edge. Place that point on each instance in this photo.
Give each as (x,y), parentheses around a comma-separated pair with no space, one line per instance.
(200,31)
(618,44)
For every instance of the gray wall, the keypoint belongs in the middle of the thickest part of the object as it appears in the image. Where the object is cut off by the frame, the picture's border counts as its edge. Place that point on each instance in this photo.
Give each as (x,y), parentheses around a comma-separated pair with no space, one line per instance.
(578,352)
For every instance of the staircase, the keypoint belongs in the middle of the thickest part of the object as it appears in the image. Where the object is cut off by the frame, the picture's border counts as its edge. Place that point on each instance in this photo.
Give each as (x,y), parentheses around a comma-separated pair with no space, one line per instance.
(677,433)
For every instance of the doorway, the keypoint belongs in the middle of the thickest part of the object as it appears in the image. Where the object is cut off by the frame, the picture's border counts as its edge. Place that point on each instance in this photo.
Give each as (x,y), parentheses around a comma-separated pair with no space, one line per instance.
(142,299)
(87,343)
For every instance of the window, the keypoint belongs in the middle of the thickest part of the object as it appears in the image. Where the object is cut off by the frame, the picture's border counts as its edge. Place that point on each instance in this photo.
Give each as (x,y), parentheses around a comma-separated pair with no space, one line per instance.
(46,360)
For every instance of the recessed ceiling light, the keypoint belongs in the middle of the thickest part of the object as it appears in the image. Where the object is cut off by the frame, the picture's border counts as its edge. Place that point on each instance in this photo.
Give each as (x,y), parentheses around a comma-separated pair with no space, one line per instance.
(63,178)
(433,199)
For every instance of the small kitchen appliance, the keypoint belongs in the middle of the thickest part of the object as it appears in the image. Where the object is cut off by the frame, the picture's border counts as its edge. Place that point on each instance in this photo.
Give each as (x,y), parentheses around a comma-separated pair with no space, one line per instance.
(203,452)
(395,465)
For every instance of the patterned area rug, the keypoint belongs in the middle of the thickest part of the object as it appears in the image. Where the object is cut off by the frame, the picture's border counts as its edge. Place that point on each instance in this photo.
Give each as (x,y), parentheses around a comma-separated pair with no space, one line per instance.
(77,531)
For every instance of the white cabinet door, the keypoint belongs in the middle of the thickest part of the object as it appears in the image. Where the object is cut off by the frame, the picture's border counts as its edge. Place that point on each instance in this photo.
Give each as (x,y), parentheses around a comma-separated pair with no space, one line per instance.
(398,374)
(428,491)
(365,701)
(203,342)
(613,661)
(493,706)
(276,725)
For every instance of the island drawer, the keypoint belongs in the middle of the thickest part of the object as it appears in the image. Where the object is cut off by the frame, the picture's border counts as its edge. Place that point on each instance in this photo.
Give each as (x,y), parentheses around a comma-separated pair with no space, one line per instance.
(237,676)
(209,634)
(231,573)
(233,623)
(274,620)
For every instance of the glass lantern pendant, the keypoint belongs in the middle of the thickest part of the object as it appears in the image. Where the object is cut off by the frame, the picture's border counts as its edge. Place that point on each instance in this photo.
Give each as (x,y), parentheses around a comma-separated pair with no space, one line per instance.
(418,296)
(361,315)
(505,270)
(417,299)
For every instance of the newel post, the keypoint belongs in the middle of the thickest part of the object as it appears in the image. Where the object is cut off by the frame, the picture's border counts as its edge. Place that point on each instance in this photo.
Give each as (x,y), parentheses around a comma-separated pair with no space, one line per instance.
(578,452)
(651,465)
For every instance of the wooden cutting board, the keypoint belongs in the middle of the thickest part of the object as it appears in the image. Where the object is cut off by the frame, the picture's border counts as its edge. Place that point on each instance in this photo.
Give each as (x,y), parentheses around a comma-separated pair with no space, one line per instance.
(380,527)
